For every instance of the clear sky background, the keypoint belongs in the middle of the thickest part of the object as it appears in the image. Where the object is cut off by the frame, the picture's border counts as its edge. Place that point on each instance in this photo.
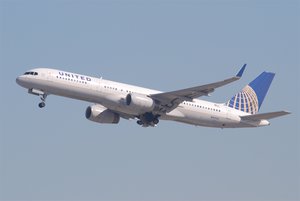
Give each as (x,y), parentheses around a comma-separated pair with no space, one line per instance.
(56,154)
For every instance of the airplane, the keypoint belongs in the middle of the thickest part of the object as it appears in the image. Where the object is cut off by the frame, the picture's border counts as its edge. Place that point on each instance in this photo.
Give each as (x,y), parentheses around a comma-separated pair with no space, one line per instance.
(113,100)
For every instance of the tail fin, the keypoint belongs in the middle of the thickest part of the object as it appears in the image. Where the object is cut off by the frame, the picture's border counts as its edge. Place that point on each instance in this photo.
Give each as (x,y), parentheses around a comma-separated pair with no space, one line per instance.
(252,96)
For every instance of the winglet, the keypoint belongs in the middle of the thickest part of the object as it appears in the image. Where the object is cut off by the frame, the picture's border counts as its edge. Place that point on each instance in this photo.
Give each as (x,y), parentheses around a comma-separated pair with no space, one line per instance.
(240,73)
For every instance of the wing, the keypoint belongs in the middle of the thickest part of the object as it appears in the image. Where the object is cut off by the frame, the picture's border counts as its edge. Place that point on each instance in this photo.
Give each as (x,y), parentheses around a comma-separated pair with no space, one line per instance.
(264,116)
(170,100)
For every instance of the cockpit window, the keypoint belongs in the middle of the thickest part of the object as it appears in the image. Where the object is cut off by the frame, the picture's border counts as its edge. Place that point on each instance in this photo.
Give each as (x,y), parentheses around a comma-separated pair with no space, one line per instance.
(30,73)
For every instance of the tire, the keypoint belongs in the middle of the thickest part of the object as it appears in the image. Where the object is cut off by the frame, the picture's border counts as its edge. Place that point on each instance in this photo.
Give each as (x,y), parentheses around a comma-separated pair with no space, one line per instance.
(42,104)
(155,121)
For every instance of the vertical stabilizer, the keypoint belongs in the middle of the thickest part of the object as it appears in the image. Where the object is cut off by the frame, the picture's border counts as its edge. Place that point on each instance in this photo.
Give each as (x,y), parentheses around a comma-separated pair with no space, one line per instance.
(252,96)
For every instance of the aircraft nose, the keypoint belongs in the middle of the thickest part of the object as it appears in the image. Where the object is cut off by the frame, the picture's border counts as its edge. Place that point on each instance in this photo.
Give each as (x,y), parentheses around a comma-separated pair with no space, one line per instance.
(20,80)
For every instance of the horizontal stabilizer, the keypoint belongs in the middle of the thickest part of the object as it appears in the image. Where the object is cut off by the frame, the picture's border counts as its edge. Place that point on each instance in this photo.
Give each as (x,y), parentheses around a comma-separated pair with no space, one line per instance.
(264,116)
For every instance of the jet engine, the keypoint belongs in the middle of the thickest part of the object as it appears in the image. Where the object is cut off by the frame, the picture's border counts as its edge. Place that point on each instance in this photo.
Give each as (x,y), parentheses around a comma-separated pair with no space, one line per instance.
(140,103)
(100,114)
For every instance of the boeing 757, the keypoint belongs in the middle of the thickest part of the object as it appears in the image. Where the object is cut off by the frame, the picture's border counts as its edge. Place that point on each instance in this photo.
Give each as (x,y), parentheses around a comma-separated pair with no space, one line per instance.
(113,100)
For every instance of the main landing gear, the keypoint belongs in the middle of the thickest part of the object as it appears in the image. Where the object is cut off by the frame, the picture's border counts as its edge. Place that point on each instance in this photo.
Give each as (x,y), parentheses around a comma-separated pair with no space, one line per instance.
(43,99)
(148,119)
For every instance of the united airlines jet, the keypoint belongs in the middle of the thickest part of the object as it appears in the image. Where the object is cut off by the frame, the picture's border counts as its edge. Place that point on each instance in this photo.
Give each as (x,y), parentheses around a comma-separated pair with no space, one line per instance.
(114,100)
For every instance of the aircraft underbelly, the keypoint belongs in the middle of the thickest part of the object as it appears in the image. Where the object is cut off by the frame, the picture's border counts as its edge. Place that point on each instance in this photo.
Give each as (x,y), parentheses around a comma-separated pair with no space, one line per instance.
(197,118)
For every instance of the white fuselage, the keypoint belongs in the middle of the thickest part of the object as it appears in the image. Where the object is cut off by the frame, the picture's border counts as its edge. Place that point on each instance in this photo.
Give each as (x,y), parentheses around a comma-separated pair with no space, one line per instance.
(112,95)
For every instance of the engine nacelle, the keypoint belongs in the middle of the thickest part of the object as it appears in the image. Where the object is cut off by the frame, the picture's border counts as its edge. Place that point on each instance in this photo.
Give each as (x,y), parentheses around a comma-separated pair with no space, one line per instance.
(100,114)
(140,103)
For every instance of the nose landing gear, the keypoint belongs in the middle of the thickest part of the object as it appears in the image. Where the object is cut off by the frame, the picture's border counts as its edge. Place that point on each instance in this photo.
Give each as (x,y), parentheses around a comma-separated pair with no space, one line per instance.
(43,99)
(41,94)
(42,104)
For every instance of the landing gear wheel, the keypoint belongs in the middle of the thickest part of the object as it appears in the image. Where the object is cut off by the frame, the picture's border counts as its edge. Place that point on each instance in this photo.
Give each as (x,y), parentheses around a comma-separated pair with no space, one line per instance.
(43,99)
(155,121)
(42,104)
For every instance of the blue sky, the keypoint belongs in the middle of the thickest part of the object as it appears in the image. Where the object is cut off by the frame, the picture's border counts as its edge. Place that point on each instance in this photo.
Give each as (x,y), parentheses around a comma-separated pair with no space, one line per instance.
(56,154)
